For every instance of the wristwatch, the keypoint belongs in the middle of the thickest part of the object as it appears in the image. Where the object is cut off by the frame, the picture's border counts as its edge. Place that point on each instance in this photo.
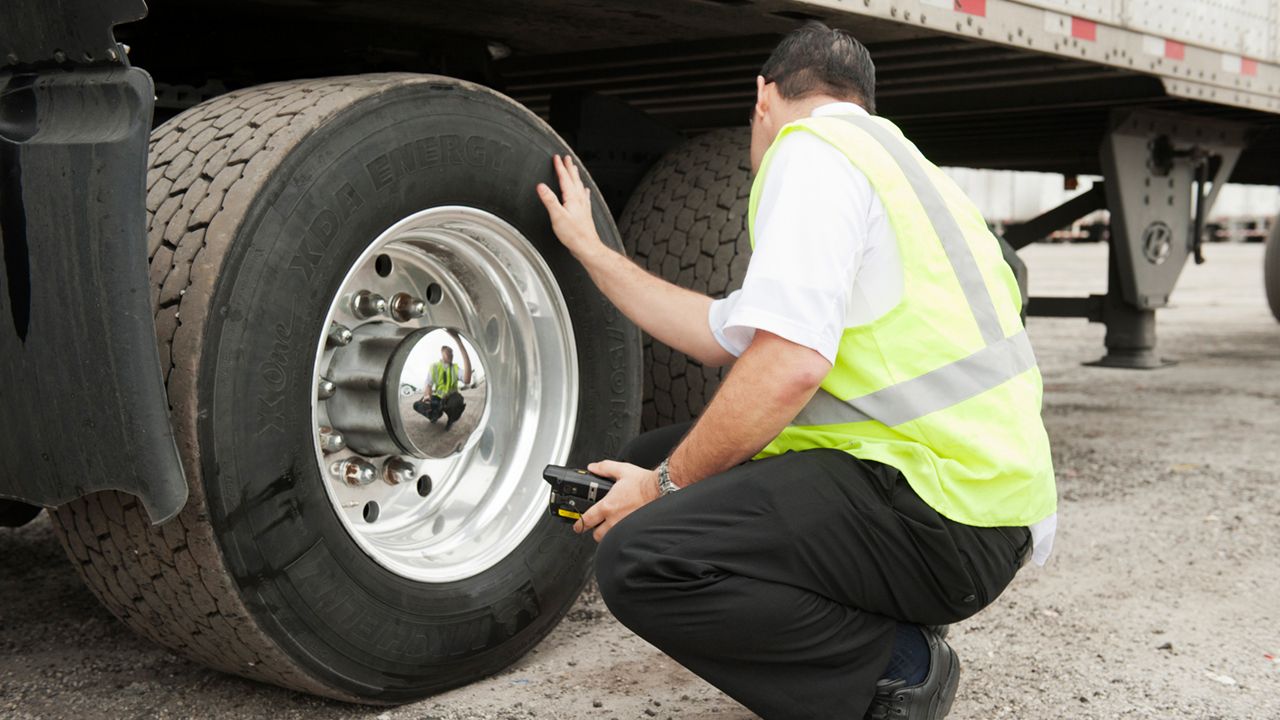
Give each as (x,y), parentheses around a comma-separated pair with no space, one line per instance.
(665,486)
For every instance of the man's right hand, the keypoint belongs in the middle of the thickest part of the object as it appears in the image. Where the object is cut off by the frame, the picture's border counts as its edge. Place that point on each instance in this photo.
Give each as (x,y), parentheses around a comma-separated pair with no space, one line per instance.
(571,219)
(674,316)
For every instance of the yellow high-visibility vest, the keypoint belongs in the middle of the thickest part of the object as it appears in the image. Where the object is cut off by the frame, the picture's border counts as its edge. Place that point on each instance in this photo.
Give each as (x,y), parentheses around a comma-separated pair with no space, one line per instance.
(444,377)
(944,387)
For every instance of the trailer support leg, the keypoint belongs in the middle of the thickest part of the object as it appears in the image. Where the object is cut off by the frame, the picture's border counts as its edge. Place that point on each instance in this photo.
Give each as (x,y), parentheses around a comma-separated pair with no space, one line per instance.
(1131,331)
(1162,173)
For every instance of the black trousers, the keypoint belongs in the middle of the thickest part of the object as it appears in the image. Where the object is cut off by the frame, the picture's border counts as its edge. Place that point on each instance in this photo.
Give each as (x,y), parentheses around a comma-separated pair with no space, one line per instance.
(781,581)
(450,405)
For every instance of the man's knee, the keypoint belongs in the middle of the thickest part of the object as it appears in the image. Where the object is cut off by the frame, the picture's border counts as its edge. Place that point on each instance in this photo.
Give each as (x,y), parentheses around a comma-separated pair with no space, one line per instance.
(628,572)
(616,567)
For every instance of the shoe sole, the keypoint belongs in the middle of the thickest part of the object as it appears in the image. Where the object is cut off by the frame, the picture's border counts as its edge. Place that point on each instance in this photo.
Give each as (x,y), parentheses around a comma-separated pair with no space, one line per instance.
(947,695)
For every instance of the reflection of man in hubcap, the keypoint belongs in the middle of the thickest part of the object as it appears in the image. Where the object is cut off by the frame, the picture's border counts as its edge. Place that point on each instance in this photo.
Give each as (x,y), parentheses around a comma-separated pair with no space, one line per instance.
(442,384)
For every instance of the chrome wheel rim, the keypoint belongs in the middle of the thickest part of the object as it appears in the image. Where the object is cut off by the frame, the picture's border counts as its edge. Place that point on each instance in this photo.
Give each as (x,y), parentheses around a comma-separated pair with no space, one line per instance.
(444,511)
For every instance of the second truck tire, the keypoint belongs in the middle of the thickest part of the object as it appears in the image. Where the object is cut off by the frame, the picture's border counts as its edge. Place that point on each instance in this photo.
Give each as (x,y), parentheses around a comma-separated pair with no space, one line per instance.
(687,222)
(262,201)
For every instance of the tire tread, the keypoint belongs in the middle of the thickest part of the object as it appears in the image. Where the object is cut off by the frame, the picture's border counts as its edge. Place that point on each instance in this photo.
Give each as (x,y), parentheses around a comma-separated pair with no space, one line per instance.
(170,583)
(687,222)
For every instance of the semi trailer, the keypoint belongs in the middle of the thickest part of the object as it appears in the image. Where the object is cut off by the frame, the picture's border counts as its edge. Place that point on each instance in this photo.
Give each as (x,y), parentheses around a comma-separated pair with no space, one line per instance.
(227,226)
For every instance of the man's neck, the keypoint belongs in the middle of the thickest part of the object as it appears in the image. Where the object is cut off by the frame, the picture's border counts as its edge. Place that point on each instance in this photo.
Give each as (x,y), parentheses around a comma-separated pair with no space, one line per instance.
(804,107)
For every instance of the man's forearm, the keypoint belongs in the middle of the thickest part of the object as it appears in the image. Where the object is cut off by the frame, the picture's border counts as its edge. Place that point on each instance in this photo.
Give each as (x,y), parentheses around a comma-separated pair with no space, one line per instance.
(765,390)
(673,315)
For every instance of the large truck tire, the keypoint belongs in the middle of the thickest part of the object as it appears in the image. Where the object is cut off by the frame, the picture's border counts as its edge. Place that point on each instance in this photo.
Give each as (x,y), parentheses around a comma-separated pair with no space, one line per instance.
(687,222)
(322,548)
(1271,269)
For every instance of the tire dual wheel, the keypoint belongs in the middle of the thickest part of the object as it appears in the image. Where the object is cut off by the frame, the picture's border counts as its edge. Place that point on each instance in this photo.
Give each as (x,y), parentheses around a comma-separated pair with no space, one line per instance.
(687,223)
(314,246)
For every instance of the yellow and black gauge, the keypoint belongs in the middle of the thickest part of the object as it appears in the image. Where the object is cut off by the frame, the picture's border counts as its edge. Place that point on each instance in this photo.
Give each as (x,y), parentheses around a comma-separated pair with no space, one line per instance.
(574,491)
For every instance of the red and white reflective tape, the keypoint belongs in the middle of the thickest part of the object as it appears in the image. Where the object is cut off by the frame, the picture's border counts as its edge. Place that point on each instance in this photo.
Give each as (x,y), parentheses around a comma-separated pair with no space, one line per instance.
(1171,49)
(1239,65)
(1070,26)
(968,7)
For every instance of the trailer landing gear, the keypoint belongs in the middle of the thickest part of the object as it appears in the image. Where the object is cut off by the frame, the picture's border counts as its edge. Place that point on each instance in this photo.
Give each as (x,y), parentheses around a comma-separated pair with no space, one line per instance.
(1163,172)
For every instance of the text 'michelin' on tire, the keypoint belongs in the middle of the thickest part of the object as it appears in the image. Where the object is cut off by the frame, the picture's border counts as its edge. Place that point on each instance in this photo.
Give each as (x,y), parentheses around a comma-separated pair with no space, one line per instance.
(314,244)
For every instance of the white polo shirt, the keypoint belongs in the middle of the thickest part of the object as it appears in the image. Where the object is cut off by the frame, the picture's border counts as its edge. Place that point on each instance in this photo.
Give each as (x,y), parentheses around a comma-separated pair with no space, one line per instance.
(825,259)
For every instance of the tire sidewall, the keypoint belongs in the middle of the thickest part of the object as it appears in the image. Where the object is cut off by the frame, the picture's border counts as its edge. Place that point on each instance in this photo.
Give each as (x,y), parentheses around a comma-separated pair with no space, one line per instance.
(346,619)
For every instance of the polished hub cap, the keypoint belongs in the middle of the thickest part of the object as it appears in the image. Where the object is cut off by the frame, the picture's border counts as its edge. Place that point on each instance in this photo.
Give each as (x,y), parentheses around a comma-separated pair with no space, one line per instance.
(445,379)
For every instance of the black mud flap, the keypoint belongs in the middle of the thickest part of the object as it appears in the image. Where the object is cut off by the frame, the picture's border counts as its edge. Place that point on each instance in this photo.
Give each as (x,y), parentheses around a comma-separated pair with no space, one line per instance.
(82,400)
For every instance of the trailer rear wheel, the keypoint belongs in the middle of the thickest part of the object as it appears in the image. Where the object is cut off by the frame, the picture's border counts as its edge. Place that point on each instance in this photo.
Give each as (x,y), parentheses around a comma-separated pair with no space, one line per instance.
(1271,269)
(307,239)
(687,222)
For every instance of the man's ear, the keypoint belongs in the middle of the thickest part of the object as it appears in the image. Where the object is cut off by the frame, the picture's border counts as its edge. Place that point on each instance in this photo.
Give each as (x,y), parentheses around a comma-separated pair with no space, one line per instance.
(762,101)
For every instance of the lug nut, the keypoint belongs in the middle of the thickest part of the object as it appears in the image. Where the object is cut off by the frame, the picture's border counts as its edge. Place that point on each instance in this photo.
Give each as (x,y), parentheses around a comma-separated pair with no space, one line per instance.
(330,441)
(397,470)
(326,389)
(405,307)
(339,336)
(355,473)
(366,304)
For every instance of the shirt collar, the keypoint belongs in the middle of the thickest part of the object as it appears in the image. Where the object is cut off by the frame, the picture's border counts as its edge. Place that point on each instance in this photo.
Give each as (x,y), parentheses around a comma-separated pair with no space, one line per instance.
(839,108)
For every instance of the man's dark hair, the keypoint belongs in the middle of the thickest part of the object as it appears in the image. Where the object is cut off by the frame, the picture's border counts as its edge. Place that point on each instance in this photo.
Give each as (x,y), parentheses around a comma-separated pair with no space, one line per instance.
(816,59)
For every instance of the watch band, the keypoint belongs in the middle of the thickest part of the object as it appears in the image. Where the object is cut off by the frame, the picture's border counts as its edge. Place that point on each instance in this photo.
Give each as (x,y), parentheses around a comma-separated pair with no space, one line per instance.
(665,486)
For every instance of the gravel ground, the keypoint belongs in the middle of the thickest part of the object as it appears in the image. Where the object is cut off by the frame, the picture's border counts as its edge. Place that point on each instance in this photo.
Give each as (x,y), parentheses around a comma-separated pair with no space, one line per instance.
(1159,602)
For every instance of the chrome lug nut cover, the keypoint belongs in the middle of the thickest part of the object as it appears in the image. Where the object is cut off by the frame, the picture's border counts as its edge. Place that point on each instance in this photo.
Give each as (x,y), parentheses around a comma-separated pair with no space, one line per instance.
(339,336)
(365,305)
(325,389)
(398,470)
(330,441)
(355,472)
(405,307)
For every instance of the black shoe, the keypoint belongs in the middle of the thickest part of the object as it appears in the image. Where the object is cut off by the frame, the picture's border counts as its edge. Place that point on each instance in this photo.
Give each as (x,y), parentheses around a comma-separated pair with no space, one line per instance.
(931,699)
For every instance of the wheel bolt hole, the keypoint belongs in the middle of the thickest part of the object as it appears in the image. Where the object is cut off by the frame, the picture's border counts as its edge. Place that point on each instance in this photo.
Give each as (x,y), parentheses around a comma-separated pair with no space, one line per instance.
(370,511)
(491,334)
(424,485)
(383,265)
(434,293)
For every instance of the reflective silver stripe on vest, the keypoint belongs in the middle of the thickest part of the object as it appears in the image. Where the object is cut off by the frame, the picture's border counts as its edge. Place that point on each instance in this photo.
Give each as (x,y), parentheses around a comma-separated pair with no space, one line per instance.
(936,390)
(944,224)
(999,362)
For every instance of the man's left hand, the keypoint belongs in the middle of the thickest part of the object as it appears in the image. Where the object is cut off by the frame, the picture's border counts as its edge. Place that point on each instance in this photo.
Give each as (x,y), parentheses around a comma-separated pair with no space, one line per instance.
(633,488)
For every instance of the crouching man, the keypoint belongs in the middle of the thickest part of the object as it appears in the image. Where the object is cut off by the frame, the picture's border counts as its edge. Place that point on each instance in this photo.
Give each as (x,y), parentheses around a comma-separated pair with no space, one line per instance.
(874,465)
